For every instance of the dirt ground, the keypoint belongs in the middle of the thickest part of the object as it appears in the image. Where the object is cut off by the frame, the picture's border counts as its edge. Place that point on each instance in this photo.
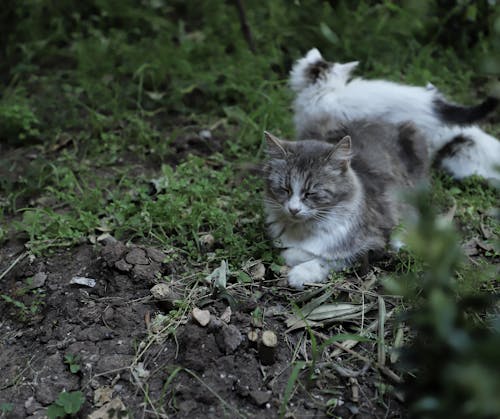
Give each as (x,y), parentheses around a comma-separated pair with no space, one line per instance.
(125,354)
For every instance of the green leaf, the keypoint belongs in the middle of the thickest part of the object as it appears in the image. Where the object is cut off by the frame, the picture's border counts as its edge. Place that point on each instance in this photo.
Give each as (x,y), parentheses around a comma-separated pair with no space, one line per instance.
(244,278)
(74,368)
(54,411)
(290,385)
(328,33)
(275,268)
(6,407)
(71,402)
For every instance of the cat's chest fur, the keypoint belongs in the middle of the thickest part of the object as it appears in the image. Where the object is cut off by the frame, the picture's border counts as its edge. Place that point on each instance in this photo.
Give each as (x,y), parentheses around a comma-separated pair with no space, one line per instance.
(325,239)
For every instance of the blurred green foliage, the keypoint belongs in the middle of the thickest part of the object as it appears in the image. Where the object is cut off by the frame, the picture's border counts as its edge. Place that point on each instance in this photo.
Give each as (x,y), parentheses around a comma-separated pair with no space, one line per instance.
(453,357)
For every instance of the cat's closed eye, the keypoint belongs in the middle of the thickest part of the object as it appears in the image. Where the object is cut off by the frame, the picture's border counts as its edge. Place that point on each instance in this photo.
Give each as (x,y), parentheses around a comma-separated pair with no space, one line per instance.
(282,190)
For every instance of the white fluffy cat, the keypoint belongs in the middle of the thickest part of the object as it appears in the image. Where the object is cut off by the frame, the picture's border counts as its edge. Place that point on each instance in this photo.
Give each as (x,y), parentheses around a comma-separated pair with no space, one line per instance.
(327,97)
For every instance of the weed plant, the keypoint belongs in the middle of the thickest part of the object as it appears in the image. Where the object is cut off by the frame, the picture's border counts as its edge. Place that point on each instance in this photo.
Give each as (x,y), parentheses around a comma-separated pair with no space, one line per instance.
(453,357)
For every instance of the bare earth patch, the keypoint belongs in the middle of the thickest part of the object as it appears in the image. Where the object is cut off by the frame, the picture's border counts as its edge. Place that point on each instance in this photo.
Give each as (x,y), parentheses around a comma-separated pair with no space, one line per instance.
(162,363)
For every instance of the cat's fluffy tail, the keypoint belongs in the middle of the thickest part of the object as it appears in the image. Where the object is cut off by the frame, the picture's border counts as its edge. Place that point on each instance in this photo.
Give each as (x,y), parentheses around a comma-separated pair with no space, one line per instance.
(463,115)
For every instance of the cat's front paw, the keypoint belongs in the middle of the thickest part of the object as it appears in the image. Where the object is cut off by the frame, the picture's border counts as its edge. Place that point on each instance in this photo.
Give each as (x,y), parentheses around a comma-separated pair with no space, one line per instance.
(311,271)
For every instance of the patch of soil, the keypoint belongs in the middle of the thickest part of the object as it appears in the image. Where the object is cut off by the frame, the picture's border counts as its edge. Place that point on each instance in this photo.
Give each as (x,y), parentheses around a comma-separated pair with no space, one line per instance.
(195,372)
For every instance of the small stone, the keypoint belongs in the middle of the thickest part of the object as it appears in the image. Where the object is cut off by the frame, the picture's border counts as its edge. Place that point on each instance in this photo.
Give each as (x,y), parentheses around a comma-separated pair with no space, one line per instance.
(258,271)
(38,280)
(123,266)
(31,405)
(81,280)
(137,256)
(155,254)
(106,239)
(228,338)
(201,316)
(161,291)
(205,134)
(260,397)
(207,242)
(165,296)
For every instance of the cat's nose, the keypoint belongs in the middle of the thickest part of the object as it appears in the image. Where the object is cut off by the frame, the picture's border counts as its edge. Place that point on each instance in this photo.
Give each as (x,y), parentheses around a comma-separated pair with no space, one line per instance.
(294,210)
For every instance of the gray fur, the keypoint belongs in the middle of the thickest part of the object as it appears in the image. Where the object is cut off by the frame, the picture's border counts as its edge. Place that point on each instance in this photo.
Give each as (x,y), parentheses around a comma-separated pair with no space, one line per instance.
(334,173)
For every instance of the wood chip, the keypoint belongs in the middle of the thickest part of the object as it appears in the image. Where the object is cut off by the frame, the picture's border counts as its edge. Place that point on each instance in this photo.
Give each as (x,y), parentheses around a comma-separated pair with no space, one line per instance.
(398,343)
(201,316)
(354,390)
(226,316)
(253,338)
(102,395)
(115,409)
(267,347)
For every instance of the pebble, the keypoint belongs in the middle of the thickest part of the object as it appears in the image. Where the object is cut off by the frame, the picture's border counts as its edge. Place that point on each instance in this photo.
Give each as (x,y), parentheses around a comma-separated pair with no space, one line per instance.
(81,280)
(38,280)
(205,134)
(202,317)
(260,397)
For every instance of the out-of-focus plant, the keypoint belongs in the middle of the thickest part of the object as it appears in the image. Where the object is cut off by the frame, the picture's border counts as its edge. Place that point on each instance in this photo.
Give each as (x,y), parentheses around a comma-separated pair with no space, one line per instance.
(453,360)
(17,118)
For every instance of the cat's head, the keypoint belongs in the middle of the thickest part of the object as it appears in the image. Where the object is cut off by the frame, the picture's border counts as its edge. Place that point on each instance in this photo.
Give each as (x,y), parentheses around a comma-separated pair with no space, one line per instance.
(307,180)
(312,69)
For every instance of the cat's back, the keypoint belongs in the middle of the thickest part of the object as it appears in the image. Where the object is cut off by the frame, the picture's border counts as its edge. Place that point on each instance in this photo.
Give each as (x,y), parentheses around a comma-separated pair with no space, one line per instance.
(387,152)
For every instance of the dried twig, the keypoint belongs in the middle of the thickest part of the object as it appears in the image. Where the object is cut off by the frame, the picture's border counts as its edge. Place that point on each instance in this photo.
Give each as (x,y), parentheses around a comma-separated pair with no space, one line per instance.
(352,343)
(18,259)
(245,27)
(383,369)
(381,331)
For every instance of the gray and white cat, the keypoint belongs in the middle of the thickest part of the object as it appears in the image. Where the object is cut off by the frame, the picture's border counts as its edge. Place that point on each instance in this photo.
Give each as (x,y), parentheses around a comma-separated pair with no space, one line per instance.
(331,200)
(327,96)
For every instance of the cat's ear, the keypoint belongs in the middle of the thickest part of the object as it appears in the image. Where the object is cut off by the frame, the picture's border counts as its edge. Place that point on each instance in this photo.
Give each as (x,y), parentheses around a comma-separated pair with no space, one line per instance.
(344,70)
(274,146)
(342,153)
(313,55)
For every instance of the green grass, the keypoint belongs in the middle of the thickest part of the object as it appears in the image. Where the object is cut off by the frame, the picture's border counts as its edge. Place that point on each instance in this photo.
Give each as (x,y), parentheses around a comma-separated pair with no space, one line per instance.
(98,89)
(100,95)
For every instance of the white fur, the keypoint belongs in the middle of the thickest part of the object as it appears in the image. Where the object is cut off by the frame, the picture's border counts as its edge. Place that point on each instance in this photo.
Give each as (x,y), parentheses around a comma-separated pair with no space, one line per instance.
(479,159)
(329,102)
(314,270)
